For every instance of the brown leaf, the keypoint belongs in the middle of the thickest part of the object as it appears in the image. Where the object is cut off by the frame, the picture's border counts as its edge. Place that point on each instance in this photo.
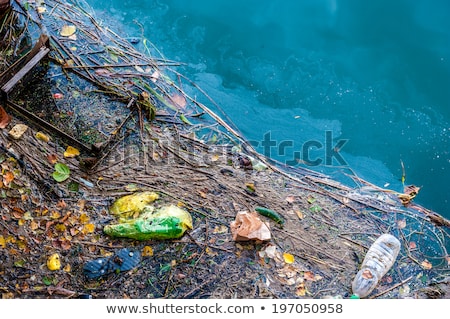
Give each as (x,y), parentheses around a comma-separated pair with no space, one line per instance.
(4,118)
(52,158)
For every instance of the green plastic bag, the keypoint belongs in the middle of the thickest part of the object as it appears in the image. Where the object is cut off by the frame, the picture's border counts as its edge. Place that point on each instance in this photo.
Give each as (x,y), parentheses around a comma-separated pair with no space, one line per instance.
(168,222)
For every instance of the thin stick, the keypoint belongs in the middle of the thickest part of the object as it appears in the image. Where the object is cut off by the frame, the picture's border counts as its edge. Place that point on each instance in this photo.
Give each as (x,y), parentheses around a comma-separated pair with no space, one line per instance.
(392,288)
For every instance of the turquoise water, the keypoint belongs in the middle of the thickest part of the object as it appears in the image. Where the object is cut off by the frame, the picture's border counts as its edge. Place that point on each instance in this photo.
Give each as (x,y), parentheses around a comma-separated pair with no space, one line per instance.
(374,75)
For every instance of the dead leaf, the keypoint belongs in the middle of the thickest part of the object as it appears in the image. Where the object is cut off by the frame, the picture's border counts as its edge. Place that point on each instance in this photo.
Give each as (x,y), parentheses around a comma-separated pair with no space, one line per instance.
(426,264)
(412,245)
(301,290)
(5,118)
(155,76)
(300,215)
(411,190)
(103,72)
(309,275)
(88,228)
(288,258)
(8,177)
(290,199)
(84,219)
(71,152)
(147,251)
(68,30)
(52,158)
(179,101)
(401,223)
(42,137)
(17,131)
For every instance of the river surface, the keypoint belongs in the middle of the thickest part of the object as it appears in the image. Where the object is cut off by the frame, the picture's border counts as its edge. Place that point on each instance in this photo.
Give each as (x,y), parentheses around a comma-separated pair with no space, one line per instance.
(338,86)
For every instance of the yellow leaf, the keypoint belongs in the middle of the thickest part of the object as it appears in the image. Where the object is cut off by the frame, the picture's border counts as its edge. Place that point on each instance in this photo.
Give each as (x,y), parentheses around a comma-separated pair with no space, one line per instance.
(71,152)
(60,228)
(84,219)
(68,30)
(2,241)
(88,228)
(147,251)
(41,9)
(67,268)
(43,137)
(426,264)
(301,290)
(288,258)
(300,215)
(53,262)
(215,158)
(55,215)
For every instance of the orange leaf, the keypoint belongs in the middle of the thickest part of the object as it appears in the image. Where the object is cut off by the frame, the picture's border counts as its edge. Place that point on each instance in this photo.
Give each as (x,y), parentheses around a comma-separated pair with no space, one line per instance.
(309,275)
(4,118)
(8,177)
(426,264)
(412,245)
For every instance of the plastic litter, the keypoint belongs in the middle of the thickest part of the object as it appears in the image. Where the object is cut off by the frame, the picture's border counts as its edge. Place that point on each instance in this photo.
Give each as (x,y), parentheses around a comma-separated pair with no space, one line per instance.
(167,222)
(132,205)
(124,260)
(248,226)
(379,259)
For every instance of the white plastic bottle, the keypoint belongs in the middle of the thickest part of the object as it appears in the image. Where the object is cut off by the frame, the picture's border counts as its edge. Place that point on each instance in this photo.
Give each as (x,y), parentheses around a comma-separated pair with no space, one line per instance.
(379,259)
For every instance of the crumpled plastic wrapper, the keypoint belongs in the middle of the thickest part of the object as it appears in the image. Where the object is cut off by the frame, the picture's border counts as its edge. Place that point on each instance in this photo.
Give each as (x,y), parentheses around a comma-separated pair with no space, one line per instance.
(248,226)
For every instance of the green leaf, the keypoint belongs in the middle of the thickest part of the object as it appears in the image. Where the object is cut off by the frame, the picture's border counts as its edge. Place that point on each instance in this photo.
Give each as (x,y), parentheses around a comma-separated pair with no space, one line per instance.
(47,281)
(19,263)
(61,173)
(184,119)
(73,187)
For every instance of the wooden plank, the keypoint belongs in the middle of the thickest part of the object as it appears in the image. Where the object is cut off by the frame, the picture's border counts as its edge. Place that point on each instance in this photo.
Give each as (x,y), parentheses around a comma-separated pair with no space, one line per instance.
(8,86)
(46,125)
